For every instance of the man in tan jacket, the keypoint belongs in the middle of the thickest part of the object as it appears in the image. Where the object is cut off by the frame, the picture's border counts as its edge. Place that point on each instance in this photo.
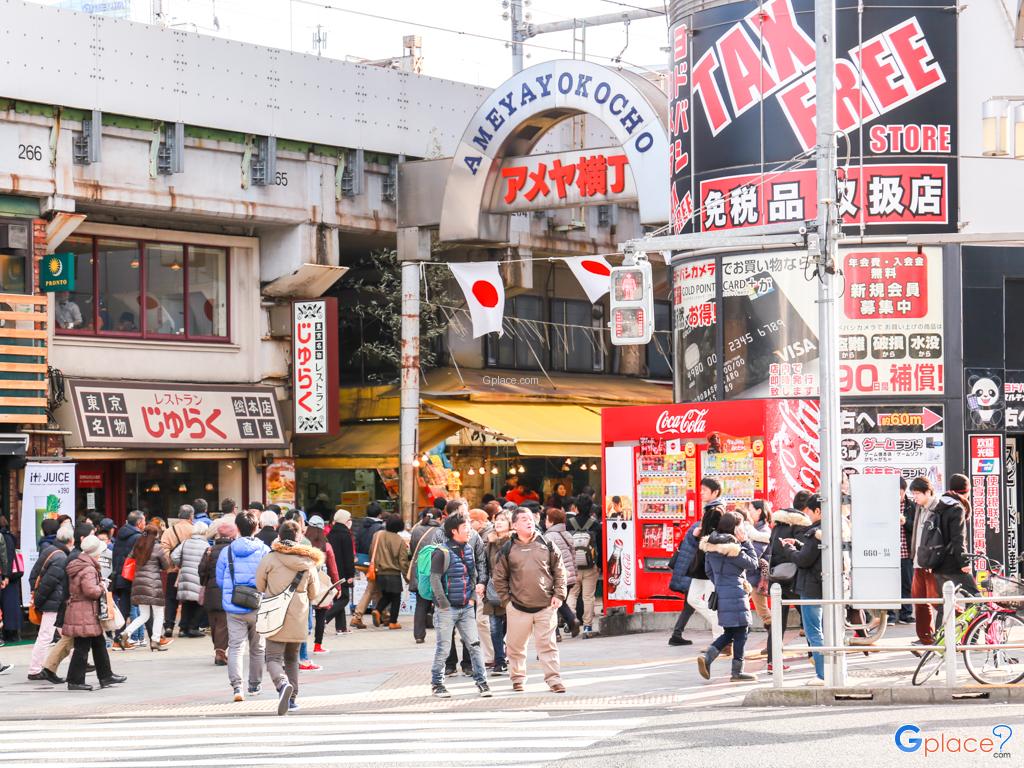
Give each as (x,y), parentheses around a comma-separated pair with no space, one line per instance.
(530,580)
(172,538)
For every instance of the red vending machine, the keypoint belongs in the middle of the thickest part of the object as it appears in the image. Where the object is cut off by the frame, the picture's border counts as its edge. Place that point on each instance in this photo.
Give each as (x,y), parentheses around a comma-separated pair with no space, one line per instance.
(654,459)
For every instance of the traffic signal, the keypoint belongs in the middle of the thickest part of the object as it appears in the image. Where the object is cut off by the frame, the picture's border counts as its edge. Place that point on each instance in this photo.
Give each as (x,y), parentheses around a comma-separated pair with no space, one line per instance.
(632,304)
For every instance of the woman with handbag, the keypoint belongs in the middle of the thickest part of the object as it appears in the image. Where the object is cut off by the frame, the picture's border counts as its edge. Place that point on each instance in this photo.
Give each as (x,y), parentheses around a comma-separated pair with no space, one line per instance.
(225,531)
(389,561)
(786,523)
(82,617)
(151,561)
(329,574)
(729,557)
(289,565)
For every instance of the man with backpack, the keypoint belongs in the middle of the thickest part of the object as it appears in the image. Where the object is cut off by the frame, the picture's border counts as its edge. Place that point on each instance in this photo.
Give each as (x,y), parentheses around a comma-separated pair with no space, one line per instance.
(951,516)
(452,585)
(530,581)
(585,529)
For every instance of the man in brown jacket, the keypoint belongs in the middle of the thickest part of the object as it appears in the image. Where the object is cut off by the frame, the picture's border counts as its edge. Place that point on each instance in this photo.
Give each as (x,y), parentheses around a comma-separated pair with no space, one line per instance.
(530,580)
(173,537)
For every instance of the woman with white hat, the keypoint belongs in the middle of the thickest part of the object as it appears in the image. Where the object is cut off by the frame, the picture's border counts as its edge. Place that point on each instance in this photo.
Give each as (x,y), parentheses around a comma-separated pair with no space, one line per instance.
(81,618)
(341,542)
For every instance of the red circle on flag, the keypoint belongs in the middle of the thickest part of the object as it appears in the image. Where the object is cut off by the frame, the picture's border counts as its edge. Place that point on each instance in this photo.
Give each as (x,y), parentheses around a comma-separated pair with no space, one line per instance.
(596,267)
(485,293)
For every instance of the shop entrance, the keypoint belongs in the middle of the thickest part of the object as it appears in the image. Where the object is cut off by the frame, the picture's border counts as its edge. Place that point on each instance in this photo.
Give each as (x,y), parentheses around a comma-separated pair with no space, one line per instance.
(99,488)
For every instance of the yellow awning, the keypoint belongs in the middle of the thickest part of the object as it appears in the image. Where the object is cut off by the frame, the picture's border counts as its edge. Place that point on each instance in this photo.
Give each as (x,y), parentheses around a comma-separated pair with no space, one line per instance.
(373,444)
(539,429)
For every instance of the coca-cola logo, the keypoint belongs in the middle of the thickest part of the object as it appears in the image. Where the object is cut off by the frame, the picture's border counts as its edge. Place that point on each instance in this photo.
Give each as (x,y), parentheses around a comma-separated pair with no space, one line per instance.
(693,422)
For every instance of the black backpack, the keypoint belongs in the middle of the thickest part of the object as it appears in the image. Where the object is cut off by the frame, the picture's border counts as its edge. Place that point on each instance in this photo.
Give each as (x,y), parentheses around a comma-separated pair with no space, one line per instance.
(931,546)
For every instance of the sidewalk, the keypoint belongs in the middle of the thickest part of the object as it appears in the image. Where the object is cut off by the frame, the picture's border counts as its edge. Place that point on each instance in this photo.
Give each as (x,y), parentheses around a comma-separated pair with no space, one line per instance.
(382,670)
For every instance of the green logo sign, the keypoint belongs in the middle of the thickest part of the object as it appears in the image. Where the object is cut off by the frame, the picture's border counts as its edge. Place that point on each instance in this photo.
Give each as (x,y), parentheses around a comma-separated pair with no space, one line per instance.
(57,272)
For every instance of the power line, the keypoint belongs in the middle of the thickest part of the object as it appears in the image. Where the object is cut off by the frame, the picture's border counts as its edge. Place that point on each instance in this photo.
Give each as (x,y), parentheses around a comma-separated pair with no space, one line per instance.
(460,32)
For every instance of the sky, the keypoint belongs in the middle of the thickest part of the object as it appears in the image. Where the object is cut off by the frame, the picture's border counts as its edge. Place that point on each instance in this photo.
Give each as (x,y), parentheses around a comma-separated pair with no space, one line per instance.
(291,24)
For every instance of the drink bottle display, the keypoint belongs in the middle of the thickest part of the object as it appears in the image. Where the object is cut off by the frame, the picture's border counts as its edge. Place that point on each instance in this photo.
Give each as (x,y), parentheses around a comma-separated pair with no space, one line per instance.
(615,564)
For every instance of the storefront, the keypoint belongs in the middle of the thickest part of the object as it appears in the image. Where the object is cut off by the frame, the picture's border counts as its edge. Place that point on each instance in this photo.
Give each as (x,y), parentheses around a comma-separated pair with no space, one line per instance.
(154,446)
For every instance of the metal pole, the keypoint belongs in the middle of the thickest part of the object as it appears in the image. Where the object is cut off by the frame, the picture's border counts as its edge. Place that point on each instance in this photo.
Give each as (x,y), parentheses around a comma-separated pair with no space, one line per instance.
(413,248)
(949,624)
(777,630)
(516,15)
(831,526)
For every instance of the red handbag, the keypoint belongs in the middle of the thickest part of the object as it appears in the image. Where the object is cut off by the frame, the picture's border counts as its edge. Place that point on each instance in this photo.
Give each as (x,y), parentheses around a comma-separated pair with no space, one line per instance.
(128,569)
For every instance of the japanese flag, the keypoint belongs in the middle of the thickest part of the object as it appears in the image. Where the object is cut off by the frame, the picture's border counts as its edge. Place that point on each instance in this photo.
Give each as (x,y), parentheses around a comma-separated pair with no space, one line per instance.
(485,295)
(593,273)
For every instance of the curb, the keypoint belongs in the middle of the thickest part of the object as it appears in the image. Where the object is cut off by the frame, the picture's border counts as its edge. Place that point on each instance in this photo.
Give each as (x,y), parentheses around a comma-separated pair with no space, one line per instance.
(816,697)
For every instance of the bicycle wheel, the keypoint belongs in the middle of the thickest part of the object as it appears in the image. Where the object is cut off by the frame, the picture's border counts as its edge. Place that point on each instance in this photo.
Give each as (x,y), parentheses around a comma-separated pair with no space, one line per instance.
(999,666)
(930,663)
(869,629)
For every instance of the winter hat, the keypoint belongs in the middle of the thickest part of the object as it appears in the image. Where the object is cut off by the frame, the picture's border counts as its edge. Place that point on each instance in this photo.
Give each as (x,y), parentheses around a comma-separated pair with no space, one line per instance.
(316,522)
(342,516)
(49,526)
(92,546)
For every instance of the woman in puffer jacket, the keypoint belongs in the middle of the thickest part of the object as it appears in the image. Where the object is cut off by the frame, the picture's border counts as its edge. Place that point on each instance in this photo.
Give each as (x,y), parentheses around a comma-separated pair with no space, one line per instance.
(729,557)
(148,589)
(188,556)
(557,534)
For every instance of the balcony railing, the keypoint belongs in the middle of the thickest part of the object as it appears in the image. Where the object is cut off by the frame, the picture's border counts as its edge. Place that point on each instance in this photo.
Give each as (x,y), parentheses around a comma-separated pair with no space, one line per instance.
(23,358)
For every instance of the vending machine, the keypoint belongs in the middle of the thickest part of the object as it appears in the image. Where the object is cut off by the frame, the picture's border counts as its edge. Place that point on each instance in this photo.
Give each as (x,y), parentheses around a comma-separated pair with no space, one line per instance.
(654,460)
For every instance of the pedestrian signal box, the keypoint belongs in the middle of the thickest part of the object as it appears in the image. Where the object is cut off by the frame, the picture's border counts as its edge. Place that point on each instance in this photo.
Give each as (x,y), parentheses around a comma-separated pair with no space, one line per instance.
(632,304)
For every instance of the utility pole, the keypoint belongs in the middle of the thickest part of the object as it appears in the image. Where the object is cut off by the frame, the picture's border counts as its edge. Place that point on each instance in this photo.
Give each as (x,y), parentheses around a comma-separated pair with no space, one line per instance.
(516,18)
(833,616)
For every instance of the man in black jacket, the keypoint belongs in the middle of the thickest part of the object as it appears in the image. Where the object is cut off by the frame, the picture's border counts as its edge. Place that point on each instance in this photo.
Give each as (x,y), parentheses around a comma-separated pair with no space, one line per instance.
(907,510)
(365,528)
(806,553)
(951,512)
(47,578)
(124,543)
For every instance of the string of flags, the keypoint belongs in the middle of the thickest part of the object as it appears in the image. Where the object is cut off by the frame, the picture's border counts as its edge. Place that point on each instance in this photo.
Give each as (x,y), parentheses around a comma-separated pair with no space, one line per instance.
(484,290)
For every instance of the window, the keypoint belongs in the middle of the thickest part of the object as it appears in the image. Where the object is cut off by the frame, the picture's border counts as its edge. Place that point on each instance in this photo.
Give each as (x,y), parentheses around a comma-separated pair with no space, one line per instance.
(577,336)
(148,290)
(523,342)
(659,364)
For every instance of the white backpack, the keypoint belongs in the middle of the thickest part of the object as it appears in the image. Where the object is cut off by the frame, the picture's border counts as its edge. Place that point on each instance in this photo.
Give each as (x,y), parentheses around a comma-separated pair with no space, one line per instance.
(581,546)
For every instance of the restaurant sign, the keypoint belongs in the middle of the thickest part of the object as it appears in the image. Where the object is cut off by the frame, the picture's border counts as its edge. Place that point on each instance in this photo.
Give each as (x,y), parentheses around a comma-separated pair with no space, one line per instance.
(156,415)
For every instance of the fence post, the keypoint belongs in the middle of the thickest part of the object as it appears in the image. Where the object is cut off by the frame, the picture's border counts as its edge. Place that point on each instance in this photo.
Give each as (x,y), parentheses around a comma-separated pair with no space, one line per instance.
(777,631)
(949,623)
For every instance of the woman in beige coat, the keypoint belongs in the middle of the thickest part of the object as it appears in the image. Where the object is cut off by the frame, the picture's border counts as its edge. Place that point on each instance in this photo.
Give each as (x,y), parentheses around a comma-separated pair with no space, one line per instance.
(275,574)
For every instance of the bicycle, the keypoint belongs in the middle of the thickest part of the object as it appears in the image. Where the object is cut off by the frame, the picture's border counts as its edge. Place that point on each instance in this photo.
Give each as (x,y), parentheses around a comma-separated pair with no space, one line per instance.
(984,624)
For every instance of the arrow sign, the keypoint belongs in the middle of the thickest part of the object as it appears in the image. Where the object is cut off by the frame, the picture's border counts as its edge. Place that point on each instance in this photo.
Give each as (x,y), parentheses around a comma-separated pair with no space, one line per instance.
(929,418)
(863,418)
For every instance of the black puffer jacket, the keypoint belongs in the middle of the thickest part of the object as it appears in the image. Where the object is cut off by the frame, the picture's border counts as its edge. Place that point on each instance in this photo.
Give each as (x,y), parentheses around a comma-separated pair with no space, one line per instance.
(952,517)
(49,595)
(124,543)
(340,539)
(364,528)
(808,563)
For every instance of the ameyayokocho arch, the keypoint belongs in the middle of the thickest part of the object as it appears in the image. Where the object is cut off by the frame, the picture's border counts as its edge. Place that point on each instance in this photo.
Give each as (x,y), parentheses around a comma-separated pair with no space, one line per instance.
(524,108)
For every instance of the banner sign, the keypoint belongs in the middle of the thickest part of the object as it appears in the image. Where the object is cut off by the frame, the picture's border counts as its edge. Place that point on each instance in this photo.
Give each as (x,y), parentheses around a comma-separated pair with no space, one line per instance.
(742,115)
(153,415)
(891,337)
(1013,400)
(986,524)
(1012,507)
(563,179)
(48,492)
(906,440)
(314,366)
(279,482)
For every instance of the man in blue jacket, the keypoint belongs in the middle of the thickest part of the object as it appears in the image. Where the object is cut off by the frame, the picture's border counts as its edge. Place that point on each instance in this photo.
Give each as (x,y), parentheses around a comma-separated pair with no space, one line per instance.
(237,565)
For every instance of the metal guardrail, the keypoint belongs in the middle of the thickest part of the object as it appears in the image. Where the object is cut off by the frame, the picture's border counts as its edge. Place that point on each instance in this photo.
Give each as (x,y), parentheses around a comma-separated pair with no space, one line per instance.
(948,601)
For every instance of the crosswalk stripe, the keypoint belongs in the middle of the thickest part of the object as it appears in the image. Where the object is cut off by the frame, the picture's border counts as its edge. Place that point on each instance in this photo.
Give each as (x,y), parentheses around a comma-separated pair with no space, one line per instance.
(465,738)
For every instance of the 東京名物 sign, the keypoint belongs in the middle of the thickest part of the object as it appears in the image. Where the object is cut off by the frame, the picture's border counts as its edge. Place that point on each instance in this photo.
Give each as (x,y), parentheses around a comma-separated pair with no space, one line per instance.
(57,272)
(314,369)
(154,415)
(563,179)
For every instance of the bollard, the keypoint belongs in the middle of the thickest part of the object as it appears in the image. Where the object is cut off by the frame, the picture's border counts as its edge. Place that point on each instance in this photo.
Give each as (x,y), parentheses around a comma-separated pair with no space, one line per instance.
(777,631)
(949,624)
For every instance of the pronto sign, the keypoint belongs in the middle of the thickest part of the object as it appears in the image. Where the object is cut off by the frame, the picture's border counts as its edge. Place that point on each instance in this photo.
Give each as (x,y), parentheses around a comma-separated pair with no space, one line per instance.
(520,111)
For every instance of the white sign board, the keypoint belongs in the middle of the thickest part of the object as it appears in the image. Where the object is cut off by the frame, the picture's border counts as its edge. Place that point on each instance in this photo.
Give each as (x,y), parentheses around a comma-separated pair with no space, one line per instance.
(620,537)
(48,492)
(875,519)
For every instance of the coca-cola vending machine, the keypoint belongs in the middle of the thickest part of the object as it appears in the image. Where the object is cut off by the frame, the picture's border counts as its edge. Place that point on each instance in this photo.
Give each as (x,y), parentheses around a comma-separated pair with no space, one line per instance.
(654,459)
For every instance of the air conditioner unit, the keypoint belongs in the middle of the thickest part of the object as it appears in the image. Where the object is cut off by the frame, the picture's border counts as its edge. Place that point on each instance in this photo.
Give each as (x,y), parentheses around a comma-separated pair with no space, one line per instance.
(13,237)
